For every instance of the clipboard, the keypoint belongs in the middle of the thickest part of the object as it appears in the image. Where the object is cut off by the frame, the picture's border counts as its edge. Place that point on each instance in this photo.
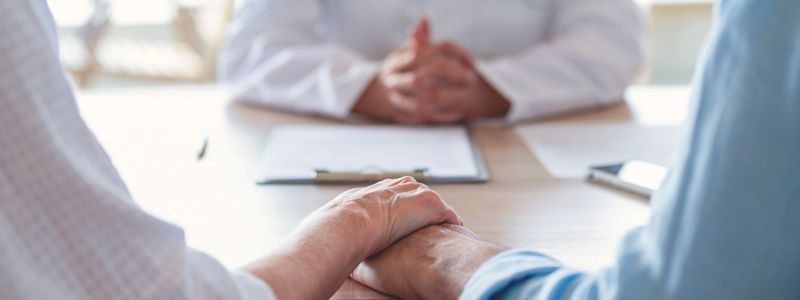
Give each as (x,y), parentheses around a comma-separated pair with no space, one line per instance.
(467,159)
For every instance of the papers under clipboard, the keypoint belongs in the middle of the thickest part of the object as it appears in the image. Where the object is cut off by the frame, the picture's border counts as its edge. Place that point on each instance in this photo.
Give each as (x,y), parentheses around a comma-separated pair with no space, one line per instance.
(307,154)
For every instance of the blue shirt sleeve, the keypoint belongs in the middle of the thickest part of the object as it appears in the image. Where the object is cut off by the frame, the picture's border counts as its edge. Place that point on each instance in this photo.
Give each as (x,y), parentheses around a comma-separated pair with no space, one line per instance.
(726,223)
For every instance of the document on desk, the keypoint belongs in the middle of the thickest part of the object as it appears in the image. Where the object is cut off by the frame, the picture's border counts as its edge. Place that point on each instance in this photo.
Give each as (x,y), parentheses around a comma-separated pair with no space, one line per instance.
(568,150)
(302,154)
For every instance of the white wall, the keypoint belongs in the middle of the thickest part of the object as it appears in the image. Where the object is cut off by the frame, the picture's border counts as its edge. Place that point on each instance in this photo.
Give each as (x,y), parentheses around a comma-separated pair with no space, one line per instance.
(677,31)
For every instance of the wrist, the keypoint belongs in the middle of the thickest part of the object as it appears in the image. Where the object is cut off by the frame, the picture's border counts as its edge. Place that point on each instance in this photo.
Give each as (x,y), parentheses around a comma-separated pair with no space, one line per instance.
(328,244)
(350,226)
(492,103)
(372,101)
(453,275)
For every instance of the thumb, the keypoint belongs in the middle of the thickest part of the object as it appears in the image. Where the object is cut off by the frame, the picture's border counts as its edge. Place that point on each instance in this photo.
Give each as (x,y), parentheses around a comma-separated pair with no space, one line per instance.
(421,34)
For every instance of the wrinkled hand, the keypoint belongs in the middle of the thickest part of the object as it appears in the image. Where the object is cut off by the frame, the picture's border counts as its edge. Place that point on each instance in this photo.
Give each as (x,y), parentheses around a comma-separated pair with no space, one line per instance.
(432,263)
(390,210)
(318,256)
(424,82)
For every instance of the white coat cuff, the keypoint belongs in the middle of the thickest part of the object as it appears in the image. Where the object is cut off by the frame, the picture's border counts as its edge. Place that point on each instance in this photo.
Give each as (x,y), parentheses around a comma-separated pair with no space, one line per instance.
(497,75)
(362,74)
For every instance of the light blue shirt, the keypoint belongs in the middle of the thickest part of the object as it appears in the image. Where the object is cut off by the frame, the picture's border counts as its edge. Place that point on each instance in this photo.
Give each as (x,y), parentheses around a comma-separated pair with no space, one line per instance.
(726,224)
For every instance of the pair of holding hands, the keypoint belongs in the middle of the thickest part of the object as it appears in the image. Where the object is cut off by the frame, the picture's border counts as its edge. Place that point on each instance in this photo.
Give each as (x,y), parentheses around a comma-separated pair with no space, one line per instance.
(424,252)
(425,82)
(397,236)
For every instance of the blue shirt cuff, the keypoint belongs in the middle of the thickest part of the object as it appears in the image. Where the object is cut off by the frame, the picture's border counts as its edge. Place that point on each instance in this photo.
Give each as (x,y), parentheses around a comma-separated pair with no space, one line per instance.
(501,271)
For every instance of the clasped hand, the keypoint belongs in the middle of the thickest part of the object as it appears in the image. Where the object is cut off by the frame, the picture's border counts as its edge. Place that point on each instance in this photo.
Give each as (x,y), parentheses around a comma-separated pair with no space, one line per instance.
(425,82)
(328,245)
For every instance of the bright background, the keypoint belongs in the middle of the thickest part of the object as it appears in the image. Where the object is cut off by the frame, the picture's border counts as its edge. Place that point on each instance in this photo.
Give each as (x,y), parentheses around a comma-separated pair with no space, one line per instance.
(116,43)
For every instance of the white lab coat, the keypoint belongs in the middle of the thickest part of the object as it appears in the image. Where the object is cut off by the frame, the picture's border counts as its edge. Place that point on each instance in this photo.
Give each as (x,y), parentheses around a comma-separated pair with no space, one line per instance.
(544,56)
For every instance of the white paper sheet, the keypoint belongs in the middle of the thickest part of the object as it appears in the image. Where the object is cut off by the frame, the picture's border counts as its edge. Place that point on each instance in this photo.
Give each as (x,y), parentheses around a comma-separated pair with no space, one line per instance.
(296,151)
(567,150)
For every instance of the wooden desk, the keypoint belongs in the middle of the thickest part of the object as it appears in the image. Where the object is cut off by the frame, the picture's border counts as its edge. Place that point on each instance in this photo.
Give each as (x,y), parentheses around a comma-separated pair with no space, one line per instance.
(153,135)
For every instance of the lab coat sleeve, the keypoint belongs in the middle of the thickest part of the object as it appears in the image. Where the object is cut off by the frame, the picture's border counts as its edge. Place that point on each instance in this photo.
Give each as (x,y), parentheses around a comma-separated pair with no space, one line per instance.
(593,50)
(274,56)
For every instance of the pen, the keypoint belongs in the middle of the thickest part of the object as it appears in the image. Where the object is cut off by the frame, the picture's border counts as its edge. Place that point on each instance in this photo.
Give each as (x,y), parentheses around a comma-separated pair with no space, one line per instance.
(203,148)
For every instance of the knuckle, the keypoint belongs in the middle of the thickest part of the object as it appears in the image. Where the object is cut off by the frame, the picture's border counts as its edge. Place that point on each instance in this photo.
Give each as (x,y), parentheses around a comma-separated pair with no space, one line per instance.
(408,178)
(408,186)
(444,214)
(428,195)
(389,80)
(395,98)
(414,185)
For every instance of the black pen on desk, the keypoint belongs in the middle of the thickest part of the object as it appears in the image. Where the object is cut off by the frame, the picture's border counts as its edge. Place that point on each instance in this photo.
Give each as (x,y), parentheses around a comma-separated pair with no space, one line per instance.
(203,150)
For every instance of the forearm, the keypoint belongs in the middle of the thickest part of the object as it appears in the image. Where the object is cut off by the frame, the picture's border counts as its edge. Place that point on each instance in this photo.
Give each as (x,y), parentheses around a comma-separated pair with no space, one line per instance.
(595,52)
(273,57)
(302,79)
(316,259)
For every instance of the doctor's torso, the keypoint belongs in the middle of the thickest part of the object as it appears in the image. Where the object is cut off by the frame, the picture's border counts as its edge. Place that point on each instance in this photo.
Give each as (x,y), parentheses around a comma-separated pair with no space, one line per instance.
(486,28)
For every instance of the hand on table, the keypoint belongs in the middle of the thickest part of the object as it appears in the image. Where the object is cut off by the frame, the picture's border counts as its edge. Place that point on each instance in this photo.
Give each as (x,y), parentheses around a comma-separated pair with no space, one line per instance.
(327,246)
(432,263)
(389,210)
(424,82)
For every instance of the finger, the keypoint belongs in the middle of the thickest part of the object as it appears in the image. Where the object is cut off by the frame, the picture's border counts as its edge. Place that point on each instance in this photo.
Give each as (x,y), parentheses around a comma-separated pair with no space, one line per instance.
(432,204)
(405,180)
(409,119)
(408,82)
(452,99)
(366,275)
(420,35)
(401,60)
(446,70)
(447,117)
(462,230)
(406,105)
(390,182)
(450,216)
(408,186)
(417,118)
(407,58)
(452,49)
(410,109)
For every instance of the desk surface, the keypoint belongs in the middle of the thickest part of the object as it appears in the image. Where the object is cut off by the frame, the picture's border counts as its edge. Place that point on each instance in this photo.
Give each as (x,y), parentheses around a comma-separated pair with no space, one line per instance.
(154,134)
